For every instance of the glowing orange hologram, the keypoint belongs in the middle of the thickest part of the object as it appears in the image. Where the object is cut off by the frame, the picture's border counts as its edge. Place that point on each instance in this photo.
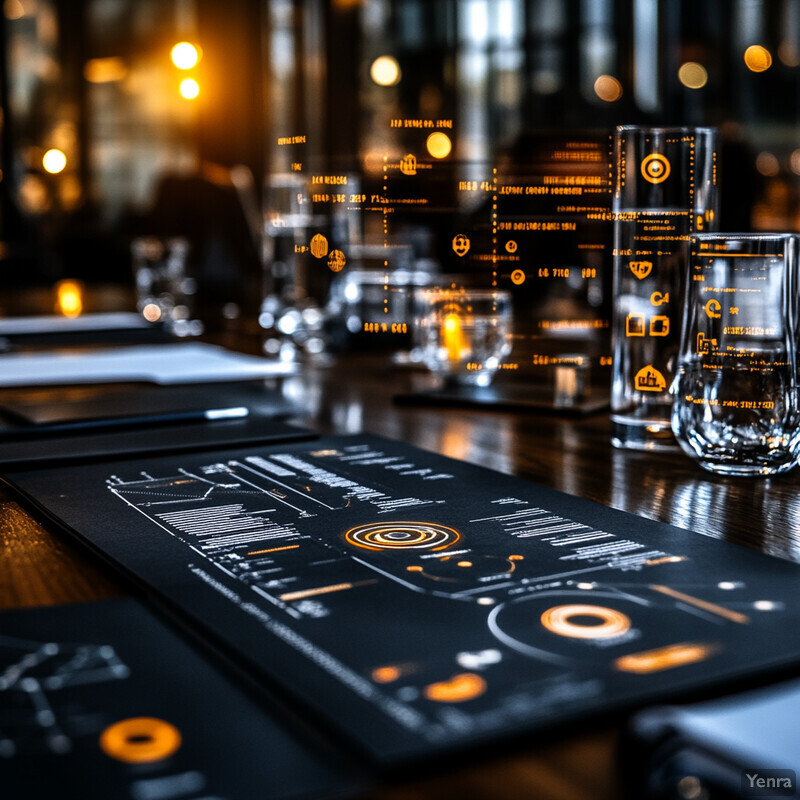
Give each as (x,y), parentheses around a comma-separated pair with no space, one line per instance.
(656,168)
(659,325)
(560,620)
(641,269)
(661,658)
(713,309)
(140,740)
(386,674)
(460,688)
(649,379)
(319,246)
(517,277)
(634,325)
(461,245)
(511,246)
(408,165)
(706,345)
(336,261)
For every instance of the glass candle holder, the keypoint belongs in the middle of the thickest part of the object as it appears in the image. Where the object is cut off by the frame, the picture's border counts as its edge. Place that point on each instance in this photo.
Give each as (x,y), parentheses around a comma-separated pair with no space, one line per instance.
(465,333)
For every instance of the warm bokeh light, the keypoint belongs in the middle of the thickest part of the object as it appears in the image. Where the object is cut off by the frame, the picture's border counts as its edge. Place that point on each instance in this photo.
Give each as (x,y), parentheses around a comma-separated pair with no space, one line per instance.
(767,164)
(692,75)
(151,312)
(185,55)
(439,144)
(608,88)
(385,71)
(757,58)
(788,53)
(190,88)
(105,70)
(794,161)
(54,161)
(13,9)
(69,298)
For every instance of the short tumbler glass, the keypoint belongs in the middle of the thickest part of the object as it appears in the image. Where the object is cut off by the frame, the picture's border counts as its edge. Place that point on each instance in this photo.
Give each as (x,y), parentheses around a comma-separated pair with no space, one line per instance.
(735,403)
(465,333)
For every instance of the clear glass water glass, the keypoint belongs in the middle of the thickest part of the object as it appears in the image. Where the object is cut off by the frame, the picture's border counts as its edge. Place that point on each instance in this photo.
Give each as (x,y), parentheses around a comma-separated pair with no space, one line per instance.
(465,333)
(665,190)
(735,406)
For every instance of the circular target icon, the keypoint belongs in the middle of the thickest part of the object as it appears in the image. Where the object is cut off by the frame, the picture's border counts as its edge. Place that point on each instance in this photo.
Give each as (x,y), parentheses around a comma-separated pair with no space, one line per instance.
(655,168)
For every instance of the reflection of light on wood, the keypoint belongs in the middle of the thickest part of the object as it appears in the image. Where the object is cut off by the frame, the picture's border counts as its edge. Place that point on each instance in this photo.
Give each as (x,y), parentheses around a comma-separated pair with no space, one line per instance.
(453,338)
(69,298)
(713,608)
(674,655)
(465,686)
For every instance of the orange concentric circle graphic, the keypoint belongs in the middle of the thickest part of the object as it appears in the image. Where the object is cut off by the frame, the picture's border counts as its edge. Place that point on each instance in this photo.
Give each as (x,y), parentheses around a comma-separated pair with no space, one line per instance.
(605,622)
(656,168)
(402,536)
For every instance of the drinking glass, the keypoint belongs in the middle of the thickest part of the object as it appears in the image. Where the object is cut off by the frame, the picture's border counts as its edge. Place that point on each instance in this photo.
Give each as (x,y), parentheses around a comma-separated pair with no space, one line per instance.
(465,333)
(665,190)
(735,403)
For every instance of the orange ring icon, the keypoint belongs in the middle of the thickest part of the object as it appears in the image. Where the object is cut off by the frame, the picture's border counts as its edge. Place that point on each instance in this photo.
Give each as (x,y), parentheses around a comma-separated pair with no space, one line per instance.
(140,740)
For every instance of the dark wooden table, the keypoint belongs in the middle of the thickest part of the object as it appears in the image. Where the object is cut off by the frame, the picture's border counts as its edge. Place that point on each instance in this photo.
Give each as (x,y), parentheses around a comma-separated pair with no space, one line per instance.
(38,567)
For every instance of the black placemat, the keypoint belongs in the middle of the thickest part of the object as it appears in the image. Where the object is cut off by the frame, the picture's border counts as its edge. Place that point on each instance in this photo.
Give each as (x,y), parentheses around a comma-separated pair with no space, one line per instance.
(420,604)
(102,701)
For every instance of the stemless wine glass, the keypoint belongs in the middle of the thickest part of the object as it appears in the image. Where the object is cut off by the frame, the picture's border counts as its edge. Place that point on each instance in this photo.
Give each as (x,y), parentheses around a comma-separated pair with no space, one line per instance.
(465,333)
(735,404)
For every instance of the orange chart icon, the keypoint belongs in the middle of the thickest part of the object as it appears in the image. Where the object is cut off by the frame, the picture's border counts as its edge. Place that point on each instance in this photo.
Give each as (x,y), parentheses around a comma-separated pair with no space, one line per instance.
(649,379)
(656,168)
(319,246)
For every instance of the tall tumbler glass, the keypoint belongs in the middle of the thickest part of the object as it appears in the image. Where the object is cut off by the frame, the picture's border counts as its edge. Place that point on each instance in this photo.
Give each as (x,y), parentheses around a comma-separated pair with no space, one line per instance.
(735,395)
(665,190)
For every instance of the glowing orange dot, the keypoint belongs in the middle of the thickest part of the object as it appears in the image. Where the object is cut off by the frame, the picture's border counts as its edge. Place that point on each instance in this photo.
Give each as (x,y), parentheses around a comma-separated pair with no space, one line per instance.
(757,58)
(464,563)
(439,144)
(516,558)
(54,161)
(608,88)
(385,674)
(189,88)
(185,55)
(414,568)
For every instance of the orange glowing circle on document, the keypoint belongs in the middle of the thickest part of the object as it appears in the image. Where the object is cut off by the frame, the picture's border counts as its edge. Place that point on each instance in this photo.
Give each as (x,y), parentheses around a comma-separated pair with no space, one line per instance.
(757,58)
(606,622)
(402,536)
(439,144)
(656,168)
(140,740)
(461,687)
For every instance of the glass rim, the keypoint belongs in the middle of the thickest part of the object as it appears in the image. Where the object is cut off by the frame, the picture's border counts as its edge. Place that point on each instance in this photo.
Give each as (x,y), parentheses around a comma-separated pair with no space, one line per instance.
(669,128)
(748,237)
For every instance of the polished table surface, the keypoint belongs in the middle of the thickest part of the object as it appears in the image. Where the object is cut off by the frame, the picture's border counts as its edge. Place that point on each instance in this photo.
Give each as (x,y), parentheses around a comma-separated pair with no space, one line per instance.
(40,567)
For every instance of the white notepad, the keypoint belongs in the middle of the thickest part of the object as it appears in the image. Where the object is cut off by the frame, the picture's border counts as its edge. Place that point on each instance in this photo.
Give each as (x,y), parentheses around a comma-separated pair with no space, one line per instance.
(158,363)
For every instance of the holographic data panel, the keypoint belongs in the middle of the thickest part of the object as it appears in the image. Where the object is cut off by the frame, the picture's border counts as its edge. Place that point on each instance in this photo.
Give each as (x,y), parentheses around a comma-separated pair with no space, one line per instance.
(418,603)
